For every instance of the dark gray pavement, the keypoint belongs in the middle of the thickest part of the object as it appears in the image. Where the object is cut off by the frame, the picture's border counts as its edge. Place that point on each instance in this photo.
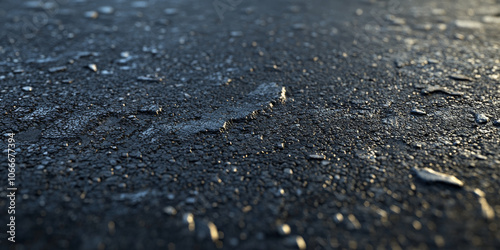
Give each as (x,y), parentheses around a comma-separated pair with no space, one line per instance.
(251,124)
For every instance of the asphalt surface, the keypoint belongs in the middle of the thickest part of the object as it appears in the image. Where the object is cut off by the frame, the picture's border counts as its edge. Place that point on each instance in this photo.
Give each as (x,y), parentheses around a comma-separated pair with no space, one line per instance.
(251,125)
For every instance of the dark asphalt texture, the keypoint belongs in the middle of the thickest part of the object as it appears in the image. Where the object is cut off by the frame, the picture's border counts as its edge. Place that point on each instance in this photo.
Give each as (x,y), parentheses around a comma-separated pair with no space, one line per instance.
(251,124)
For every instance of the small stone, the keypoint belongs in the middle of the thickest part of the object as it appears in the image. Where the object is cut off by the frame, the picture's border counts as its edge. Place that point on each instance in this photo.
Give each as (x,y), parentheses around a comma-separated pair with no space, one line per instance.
(481,157)
(83,54)
(491,19)
(188,219)
(486,210)
(57,69)
(67,81)
(92,67)
(468,24)
(295,241)
(125,54)
(439,89)
(170,210)
(284,229)
(152,109)
(430,175)
(214,233)
(496,122)
(432,61)
(18,71)
(247,209)
(416,111)
(171,11)
(91,14)
(438,12)
(396,20)
(206,230)
(27,88)
(353,222)
(482,119)
(288,171)
(190,200)
(106,10)
(139,4)
(459,77)
(459,36)
(299,26)
(236,33)
(338,218)
(150,78)
(316,157)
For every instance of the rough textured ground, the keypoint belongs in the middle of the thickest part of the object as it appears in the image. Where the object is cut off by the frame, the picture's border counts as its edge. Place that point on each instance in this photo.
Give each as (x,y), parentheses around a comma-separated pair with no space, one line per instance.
(274,125)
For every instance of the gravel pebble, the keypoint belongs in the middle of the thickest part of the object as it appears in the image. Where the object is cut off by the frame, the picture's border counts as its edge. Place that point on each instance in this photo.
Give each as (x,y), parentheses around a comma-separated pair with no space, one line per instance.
(284,229)
(92,67)
(27,88)
(106,9)
(430,175)
(91,14)
(317,157)
(57,69)
(482,119)
(170,11)
(170,210)
(416,111)
(459,77)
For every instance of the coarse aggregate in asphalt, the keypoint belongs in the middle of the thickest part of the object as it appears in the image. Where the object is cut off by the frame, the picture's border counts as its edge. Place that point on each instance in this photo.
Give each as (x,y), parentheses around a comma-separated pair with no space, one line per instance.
(252,124)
